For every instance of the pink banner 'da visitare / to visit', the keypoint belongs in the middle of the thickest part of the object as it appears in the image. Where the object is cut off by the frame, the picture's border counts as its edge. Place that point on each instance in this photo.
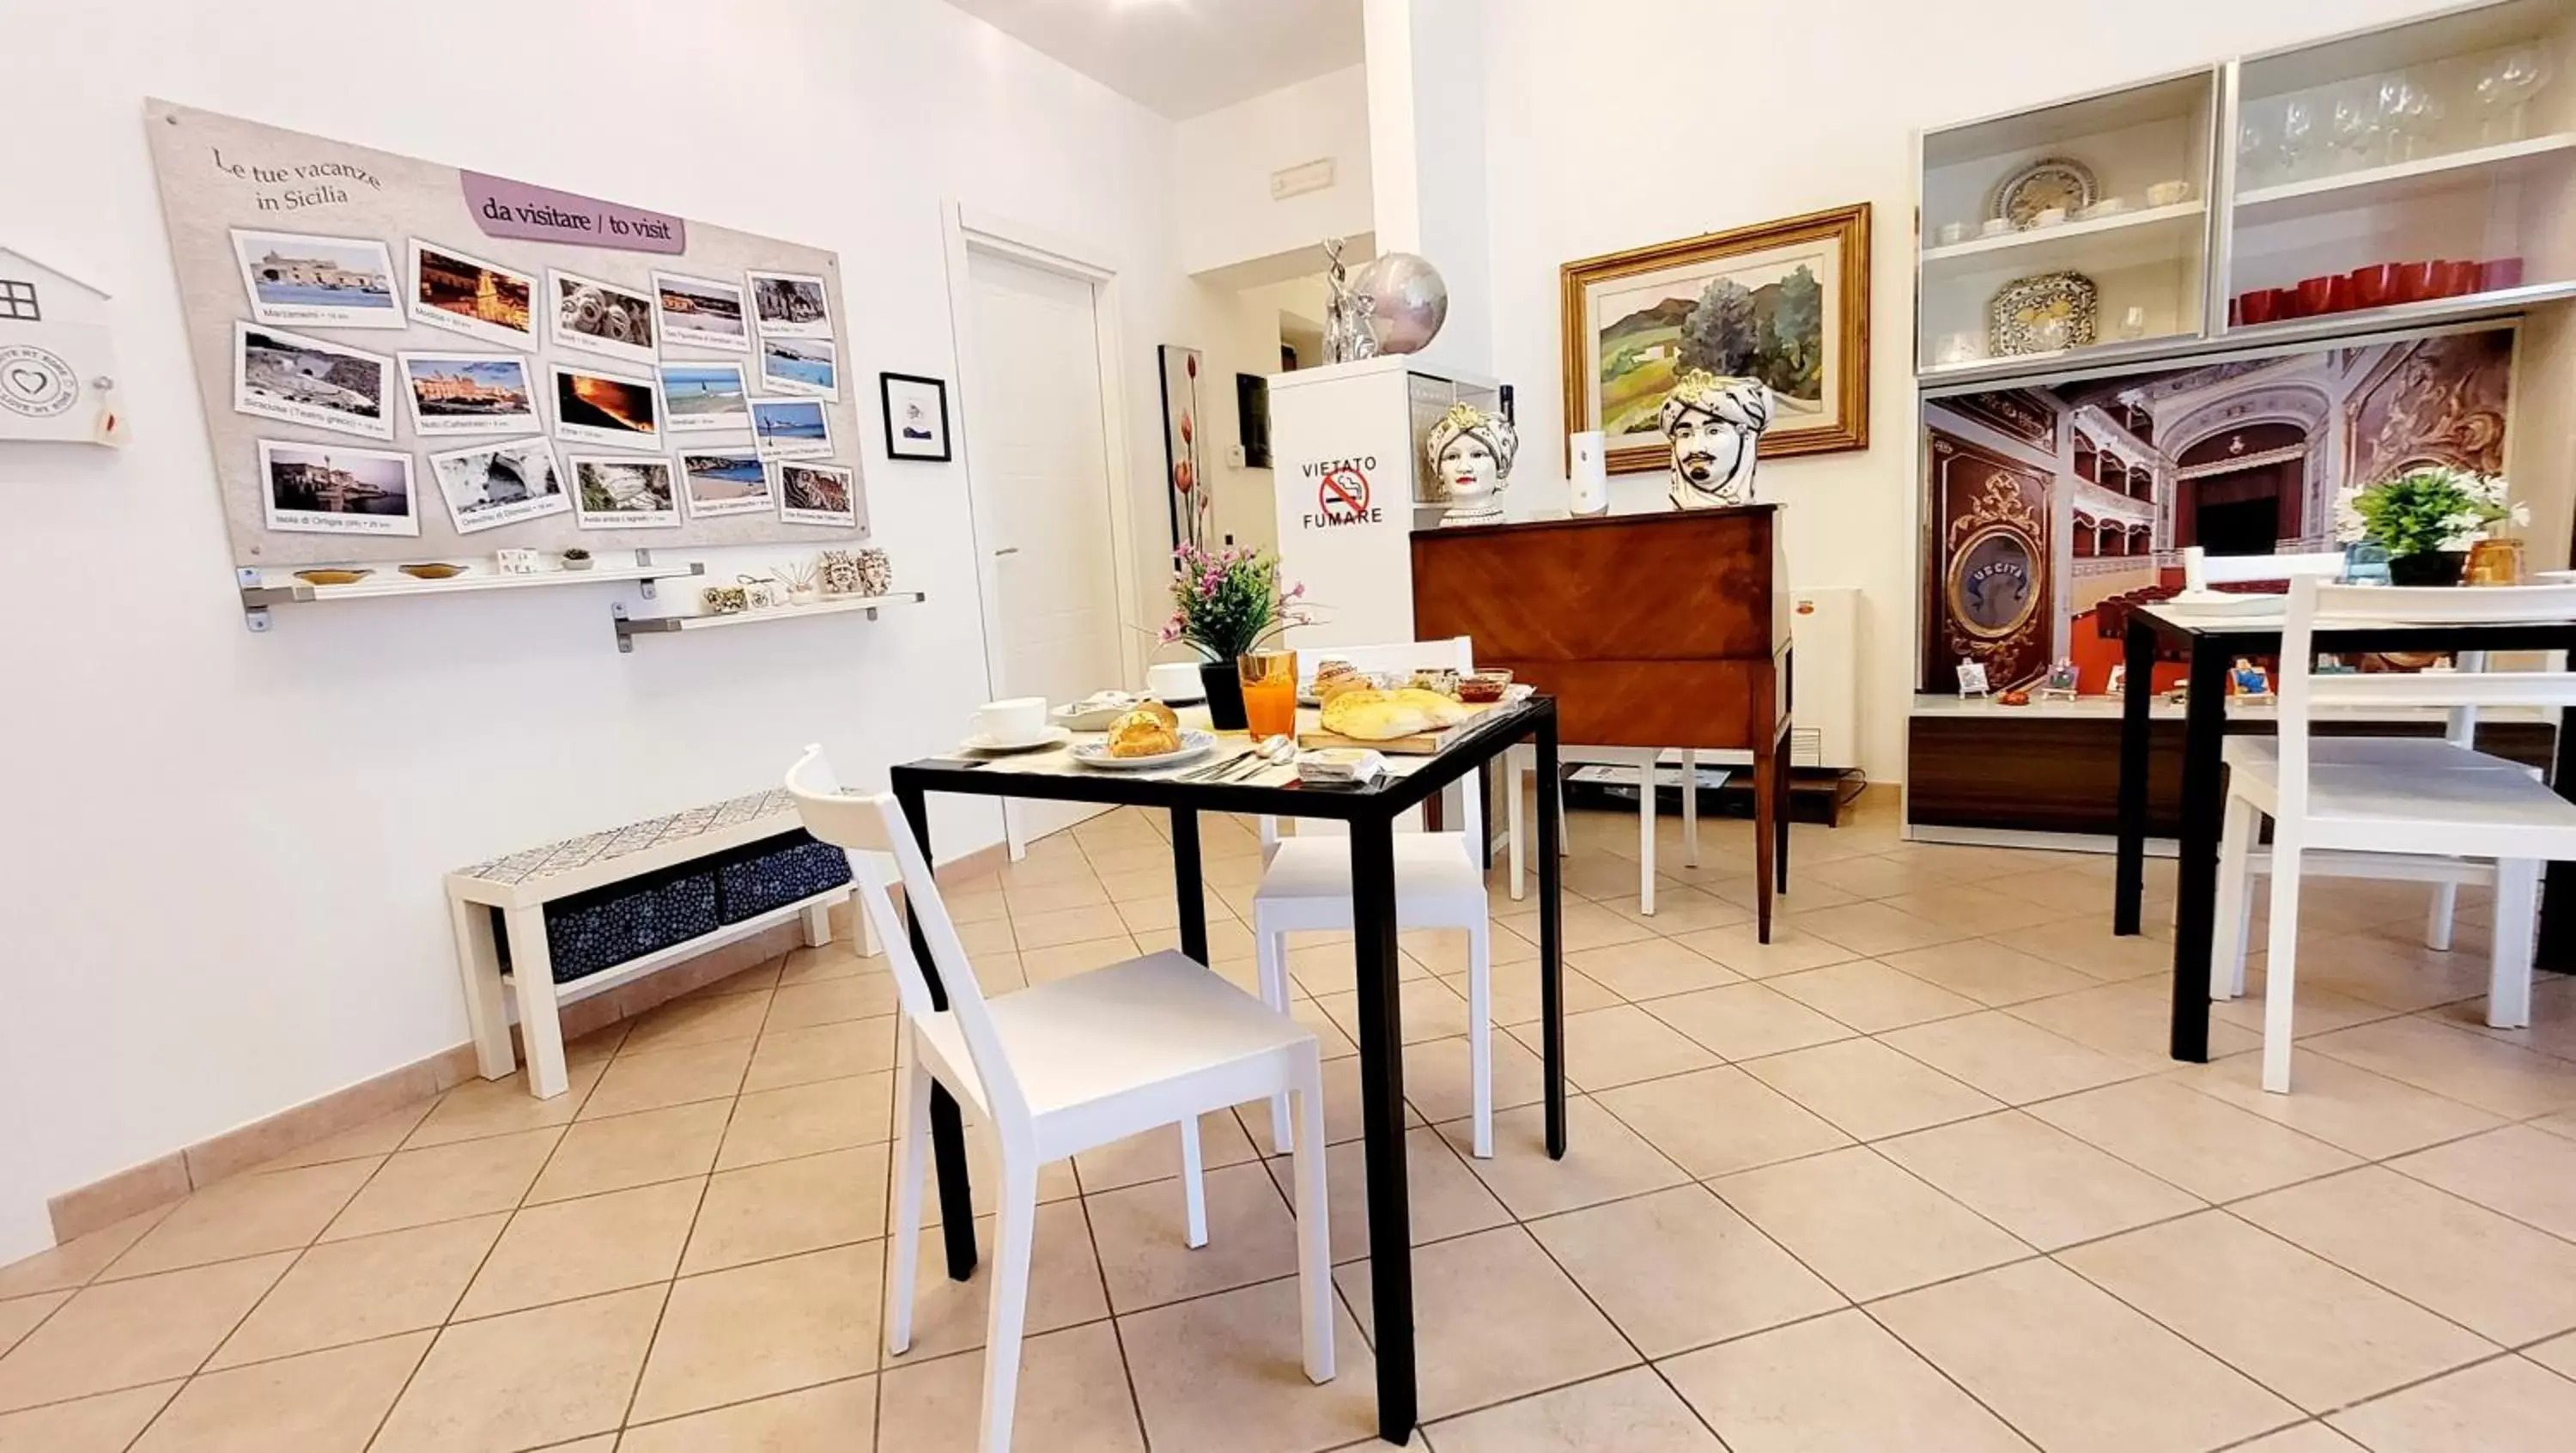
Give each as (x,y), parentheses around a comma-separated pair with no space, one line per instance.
(504,208)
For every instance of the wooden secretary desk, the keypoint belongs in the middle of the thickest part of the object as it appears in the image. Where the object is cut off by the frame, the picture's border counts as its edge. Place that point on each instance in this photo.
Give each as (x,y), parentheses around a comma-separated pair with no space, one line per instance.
(1655,630)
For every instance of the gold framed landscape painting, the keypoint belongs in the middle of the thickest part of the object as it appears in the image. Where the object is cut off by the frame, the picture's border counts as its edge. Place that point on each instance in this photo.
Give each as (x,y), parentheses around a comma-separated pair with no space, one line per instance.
(1786,302)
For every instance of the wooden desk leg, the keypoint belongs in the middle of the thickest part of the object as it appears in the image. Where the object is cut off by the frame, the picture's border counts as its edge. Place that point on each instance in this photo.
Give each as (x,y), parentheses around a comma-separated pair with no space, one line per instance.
(1382,1121)
(532,965)
(947,1123)
(1780,817)
(1766,835)
(2204,736)
(1551,936)
(1189,889)
(487,1004)
(2130,880)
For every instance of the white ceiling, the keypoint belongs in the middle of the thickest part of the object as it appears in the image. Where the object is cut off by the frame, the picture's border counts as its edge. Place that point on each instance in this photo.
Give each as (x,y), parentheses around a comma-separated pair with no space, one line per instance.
(1184,57)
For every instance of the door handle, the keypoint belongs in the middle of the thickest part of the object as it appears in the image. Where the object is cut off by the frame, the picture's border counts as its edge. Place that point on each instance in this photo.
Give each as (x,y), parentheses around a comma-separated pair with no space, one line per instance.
(1008,550)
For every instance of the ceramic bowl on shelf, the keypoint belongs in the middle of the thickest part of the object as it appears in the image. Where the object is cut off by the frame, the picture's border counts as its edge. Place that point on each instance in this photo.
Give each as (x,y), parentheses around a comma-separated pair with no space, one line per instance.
(1994,227)
(1952,234)
(435,570)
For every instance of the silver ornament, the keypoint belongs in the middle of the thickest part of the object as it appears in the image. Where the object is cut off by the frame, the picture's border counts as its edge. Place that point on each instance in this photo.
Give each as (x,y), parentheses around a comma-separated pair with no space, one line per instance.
(1407,301)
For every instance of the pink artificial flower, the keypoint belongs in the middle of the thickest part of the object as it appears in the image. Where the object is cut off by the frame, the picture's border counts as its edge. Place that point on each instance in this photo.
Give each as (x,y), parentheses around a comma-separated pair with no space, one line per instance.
(1297,590)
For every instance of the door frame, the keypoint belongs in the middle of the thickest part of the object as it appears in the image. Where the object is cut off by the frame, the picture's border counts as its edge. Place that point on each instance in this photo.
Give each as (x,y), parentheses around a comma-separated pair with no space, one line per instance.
(966,229)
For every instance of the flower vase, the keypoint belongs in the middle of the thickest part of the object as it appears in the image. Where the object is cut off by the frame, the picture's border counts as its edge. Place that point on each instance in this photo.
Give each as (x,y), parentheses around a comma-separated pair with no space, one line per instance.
(1224,687)
(2427,567)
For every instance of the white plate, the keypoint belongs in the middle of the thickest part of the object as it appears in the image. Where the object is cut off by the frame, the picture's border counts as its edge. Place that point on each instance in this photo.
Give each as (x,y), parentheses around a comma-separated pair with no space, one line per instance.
(1096,719)
(1194,745)
(2229,603)
(1054,736)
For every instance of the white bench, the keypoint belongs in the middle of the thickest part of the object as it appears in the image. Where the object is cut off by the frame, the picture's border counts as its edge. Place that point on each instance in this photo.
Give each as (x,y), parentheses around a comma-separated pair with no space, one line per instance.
(522,884)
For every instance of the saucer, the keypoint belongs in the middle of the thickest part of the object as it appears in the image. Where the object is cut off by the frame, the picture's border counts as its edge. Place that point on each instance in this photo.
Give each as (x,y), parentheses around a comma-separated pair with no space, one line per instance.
(1054,736)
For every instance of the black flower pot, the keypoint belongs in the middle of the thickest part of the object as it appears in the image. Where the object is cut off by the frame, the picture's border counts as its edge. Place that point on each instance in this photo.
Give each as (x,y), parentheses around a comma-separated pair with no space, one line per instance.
(1224,695)
(2427,567)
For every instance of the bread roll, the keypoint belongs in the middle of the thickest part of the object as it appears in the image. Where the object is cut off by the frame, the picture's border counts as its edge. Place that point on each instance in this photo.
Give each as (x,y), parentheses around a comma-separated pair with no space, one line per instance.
(1142,734)
(1154,708)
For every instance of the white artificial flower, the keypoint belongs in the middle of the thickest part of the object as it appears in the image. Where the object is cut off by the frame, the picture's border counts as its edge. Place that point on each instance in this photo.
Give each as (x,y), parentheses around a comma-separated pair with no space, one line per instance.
(2520,514)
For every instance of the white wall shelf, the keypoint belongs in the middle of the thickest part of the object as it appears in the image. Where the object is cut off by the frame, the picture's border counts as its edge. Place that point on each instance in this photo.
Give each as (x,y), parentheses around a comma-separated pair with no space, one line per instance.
(263,588)
(2404,182)
(628,628)
(2156,232)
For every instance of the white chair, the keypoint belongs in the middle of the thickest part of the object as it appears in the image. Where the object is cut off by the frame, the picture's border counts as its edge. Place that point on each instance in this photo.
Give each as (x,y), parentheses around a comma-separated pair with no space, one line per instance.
(2200,570)
(2418,806)
(1439,883)
(1521,763)
(1058,1069)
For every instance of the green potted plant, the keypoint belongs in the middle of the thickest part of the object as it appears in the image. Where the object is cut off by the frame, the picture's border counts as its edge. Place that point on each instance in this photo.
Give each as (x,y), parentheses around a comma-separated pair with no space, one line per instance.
(2426,519)
(576,558)
(1226,603)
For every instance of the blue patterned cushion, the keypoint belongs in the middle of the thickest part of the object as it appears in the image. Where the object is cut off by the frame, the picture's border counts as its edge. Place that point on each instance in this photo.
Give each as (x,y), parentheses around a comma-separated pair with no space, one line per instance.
(786,869)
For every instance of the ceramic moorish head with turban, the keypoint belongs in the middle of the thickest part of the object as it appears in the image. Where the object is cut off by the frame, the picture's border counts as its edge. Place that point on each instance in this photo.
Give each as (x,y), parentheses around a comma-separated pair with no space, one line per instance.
(1715,425)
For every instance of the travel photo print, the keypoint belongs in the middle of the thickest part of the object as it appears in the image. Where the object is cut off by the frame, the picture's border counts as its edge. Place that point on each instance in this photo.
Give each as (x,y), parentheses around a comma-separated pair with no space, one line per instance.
(624,492)
(325,489)
(699,312)
(298,380)
(705,396)
(469,393)
(300,280)
(592,407)
(464,294)
(726,481)
(791,305)
(804,366)
(792,428)
(591,316)
(489,485)
(815,494)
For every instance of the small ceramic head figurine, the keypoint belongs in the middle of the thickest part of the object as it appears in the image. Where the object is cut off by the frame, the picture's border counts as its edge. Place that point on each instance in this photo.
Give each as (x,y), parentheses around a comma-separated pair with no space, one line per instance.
(1470,452)
(1715,425)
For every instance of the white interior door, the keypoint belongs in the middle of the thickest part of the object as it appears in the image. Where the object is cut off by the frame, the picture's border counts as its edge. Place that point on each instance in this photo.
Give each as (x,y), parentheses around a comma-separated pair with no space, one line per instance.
(1040,465)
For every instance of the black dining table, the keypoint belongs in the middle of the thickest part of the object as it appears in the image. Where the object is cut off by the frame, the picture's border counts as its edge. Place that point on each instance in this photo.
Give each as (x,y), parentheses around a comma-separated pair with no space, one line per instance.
(1371,813)
(2212,641)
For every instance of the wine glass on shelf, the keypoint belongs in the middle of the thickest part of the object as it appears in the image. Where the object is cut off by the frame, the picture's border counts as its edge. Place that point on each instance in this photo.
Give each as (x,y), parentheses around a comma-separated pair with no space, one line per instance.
(2254,152)
(2424,111)
(2353,125)
(2506,84)
(2390,101)
(2298,132)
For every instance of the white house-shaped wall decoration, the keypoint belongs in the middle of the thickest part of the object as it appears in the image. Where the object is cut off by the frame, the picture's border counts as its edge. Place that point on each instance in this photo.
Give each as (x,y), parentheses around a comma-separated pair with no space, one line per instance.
(57,357)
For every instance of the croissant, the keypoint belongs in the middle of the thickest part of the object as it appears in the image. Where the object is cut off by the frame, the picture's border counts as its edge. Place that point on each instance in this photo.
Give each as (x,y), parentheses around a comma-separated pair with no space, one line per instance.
(1142,734)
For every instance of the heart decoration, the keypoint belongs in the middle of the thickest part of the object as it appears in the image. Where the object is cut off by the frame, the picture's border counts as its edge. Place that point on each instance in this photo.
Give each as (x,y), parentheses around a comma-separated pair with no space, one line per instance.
(30,383)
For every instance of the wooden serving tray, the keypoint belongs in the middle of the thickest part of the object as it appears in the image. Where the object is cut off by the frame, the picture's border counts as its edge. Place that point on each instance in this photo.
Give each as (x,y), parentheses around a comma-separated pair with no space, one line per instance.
(1420,744)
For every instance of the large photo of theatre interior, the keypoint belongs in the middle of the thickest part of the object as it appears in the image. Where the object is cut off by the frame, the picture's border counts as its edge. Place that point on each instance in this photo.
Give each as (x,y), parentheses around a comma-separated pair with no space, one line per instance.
(2045,504)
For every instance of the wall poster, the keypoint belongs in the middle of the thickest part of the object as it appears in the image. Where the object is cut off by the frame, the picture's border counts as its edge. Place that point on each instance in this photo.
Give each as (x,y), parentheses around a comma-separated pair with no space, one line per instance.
(2045,501)
(396,355)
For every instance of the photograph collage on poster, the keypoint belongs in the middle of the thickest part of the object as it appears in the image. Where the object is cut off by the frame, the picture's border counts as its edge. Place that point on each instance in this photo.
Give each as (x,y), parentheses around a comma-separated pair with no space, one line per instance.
(625,407)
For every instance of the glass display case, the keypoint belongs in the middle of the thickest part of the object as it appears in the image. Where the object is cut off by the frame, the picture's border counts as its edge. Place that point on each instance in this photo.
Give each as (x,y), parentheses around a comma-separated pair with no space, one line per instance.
(2077,226)
(2403,172)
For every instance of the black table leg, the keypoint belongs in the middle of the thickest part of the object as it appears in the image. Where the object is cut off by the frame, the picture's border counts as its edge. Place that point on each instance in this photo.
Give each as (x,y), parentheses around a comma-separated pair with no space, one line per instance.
(2140,674)
(2204,735)
(1780,816)
(2557,948)
(1551,934)
(947,1125)
(1382,1122)
(1484,791)
(1188,888)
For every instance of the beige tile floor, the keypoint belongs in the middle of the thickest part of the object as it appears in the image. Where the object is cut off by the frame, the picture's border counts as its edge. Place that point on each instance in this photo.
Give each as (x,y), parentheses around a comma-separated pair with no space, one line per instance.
(1916,1176)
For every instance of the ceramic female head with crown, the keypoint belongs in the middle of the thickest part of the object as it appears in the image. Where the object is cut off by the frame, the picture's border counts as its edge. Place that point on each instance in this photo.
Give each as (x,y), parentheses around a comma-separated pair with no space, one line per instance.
(1470,453)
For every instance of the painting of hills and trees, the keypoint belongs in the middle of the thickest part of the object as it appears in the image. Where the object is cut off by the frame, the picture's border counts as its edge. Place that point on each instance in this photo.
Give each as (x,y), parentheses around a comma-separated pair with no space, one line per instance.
(1786,303)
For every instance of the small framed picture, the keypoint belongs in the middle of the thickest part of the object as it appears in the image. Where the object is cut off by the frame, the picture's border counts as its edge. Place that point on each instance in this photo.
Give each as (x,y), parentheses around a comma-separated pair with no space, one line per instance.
(916,416)
(1972,679)
(2119,683)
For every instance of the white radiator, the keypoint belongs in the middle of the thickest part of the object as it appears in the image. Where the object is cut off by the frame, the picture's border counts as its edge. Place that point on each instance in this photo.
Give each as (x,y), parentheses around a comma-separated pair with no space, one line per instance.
(1824,729)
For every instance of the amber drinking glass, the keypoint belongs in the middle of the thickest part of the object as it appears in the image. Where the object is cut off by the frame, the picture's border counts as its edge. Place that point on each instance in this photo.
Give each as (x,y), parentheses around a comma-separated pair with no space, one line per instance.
(2495,562)
(1269,692)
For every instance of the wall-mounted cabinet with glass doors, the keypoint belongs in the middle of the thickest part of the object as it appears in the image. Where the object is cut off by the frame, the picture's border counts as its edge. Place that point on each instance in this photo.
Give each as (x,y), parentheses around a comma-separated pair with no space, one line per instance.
(2413,174)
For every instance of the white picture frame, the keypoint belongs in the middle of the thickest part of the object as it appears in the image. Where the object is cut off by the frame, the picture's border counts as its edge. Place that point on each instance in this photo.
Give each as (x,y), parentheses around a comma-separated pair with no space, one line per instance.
(595,417)
(588,315)
(790,304)
(499,291)
(724,480)
(800,367)
(792,428)
(464,479)
(290,503)
(793,482)
(701,327)
(697,402)
(310,280)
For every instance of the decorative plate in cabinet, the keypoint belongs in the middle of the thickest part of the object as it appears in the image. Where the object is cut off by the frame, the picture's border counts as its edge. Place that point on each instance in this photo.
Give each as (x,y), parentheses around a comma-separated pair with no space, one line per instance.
(2052,181)
(2043,314)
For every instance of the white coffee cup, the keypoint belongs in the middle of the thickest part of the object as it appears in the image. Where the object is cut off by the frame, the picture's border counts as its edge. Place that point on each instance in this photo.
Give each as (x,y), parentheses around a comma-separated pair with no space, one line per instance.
(1012,722)
(1174,681)
(2168,194)
(1952,233)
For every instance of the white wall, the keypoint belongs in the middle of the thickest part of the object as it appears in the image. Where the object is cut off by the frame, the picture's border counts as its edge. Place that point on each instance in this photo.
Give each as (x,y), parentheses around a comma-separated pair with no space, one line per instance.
(1595,142)
(1222,163)
(219,886)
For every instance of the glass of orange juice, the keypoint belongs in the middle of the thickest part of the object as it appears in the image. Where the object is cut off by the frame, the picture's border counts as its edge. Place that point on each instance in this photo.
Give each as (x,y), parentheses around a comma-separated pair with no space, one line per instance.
(1269,692)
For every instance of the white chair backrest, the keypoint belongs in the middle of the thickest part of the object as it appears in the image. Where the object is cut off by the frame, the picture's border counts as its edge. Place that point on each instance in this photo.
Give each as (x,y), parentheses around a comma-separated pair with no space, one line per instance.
(1457,654)
(873,830)
(2315,606)
(2201,570)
